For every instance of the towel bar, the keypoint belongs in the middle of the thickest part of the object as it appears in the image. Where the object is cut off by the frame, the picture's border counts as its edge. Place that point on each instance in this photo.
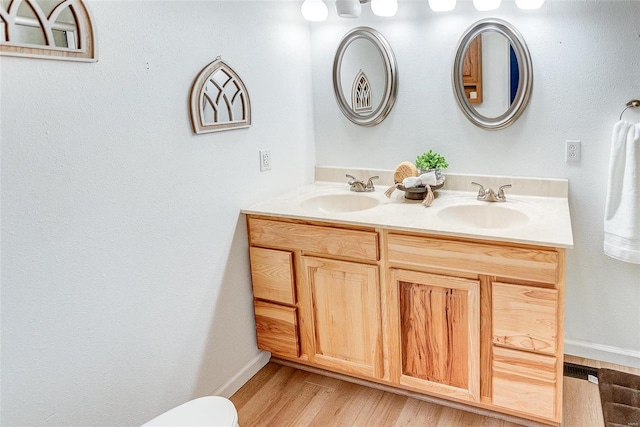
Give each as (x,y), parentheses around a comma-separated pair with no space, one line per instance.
(631,104)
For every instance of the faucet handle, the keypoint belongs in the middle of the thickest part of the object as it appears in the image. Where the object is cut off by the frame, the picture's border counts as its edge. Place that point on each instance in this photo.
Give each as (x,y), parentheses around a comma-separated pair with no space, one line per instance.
(481,190)
(501,190)
(370,182)
(352,179)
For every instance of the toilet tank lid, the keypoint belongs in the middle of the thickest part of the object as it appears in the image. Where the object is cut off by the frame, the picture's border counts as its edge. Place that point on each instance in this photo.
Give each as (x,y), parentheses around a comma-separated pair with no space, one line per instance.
(203,411)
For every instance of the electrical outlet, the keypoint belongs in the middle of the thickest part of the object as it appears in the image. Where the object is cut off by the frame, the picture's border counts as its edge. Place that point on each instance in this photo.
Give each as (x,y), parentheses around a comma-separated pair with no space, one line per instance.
(572,151)
(265,160)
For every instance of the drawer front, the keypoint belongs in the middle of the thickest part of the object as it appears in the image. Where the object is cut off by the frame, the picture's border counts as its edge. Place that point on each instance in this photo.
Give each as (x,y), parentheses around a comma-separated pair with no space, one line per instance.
(272,275)
(525,382)
(314,239)
(277,329)
(525,317)
(504,261)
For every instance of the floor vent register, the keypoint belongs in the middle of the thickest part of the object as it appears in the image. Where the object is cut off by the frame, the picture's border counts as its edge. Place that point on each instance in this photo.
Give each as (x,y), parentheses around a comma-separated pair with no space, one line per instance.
(581,372)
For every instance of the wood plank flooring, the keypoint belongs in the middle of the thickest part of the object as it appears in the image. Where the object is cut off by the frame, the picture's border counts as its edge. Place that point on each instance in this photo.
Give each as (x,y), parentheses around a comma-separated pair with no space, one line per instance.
(279,395)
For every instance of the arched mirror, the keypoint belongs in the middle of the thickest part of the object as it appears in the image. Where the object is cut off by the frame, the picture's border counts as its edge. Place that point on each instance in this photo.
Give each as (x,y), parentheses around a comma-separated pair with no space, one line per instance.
(365,76)
(50,29)
(492,74)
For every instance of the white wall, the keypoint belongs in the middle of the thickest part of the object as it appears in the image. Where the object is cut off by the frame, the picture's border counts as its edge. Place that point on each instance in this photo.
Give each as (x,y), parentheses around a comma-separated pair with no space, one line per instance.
(125,278)
(496,85)
(586,59)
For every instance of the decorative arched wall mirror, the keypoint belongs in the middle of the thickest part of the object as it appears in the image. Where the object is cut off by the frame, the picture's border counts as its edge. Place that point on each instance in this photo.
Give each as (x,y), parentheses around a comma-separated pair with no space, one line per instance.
(219,100)
(365,76)
(492,74)
(49,29)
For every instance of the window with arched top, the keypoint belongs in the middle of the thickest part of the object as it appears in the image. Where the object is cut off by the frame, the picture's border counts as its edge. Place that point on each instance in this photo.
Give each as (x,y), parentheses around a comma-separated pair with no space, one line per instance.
(219,100)
(49,29)
(361,93)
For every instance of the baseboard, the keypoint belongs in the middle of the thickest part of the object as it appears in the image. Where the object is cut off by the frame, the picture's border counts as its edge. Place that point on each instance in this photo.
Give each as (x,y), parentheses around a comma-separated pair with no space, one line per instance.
(238,380)
(605,353)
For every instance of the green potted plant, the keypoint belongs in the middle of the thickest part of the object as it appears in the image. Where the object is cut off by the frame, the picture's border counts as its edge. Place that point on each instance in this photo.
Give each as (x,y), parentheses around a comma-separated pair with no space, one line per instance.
(431,160)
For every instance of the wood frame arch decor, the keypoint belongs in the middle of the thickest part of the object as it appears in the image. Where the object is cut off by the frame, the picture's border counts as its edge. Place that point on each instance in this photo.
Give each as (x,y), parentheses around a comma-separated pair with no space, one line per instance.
(219,100)
(79,35)
(361,93)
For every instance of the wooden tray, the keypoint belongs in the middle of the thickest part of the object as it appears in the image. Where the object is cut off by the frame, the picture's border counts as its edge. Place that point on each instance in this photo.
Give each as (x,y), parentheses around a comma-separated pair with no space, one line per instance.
(419,193)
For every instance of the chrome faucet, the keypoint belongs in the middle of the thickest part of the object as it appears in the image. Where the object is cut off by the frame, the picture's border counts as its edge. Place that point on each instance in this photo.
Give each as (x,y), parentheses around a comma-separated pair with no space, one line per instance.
(490,195)
(359,186)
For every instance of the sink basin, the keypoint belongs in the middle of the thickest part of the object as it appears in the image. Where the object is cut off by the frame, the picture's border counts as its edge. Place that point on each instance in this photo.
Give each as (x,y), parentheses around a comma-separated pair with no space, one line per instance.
(336,203)
(483,216)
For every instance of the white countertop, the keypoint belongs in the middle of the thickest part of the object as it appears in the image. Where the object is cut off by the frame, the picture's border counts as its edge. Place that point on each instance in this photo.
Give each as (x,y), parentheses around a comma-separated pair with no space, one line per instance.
(548,224)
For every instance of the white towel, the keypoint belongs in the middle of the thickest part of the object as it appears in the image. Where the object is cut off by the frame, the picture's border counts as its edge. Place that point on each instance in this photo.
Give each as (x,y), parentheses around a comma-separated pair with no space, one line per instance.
(428,178)
(622,208)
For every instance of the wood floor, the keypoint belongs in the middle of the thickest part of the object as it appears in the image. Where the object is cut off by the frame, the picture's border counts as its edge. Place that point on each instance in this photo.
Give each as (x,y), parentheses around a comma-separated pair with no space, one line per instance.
(284,396)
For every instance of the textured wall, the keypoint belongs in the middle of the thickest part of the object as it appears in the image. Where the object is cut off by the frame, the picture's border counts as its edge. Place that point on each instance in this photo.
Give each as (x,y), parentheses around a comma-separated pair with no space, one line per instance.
(125,279)
(586,60)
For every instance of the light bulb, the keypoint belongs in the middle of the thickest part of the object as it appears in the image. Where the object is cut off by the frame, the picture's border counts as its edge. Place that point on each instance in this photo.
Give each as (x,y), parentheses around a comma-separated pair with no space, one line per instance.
(384,7)
(529,4)
(442,5)
(314,10)
(484,5)
(348,8)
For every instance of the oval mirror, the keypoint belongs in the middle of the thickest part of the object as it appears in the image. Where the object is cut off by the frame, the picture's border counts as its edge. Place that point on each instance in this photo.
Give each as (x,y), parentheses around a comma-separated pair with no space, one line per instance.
(492,74)
(365,76)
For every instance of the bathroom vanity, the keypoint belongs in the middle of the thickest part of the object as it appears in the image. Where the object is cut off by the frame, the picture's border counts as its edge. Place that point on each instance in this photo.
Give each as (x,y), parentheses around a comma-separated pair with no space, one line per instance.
(427,300)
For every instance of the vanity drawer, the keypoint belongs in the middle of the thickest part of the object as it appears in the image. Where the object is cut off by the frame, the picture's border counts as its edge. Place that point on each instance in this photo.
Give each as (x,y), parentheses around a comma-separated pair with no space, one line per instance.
(272,275)
(524,382)
(504,261)
(314,239)
(524,317)
(277,329)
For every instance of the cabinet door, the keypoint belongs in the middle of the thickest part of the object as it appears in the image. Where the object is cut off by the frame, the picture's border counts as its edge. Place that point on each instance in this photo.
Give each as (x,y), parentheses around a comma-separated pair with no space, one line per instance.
(439,333)
(346,321)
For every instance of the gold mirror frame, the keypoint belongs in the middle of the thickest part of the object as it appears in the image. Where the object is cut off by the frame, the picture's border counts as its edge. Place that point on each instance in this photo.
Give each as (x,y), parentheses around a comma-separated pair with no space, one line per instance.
(85,37)
(525,83)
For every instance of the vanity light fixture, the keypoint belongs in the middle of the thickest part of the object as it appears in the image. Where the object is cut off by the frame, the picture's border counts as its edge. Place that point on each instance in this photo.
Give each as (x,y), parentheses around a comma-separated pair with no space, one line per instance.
(348,8)
(529,4)
(442,5)
(384,8)
(314,10)
(484,5)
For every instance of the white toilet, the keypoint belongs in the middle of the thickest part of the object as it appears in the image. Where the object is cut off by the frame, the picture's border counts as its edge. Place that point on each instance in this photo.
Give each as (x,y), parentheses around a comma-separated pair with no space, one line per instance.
(204,411)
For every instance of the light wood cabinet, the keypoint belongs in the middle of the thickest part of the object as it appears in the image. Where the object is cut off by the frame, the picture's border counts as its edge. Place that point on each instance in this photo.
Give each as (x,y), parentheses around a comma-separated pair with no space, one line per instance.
(346,316)
(521,316)
(439,333)
(470,321)
(325,282)
(527,364)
